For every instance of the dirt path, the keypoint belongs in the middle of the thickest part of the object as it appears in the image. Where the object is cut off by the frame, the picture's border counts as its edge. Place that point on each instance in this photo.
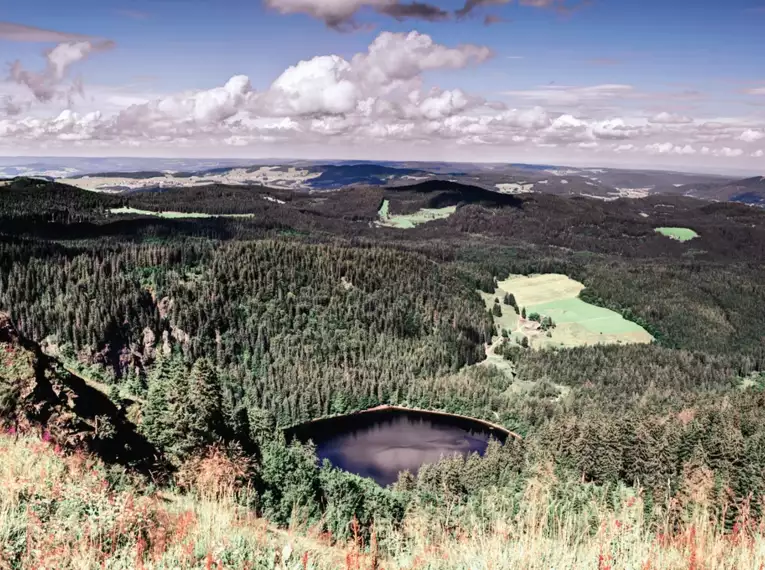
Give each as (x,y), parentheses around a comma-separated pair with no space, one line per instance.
(496,360)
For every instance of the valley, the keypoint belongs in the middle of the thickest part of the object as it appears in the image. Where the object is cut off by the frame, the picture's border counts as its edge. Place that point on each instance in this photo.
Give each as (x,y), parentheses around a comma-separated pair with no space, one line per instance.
(173,336)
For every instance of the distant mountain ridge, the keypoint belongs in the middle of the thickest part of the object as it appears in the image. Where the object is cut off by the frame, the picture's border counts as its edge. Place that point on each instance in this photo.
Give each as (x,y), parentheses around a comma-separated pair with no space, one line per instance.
(512,178)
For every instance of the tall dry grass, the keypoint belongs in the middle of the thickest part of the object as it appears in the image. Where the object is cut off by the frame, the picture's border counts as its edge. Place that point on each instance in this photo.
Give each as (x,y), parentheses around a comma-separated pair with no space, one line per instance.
(62,511)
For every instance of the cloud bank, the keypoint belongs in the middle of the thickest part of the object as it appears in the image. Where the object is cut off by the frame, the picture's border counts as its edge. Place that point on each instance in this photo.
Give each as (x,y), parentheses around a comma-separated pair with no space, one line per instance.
(380,104)
(341,14)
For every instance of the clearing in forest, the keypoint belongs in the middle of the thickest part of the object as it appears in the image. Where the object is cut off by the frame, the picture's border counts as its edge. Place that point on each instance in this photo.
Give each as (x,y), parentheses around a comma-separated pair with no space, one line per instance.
(137,212)
(680,234)
(408,221)
(576,323)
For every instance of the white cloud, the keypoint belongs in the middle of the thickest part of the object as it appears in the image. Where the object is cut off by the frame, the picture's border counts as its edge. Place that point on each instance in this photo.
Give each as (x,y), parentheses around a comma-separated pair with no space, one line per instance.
(730,152)
(49,84)
(318,86)
(758,154)
(751,136)
(400,57)
(376,102)
(669,148)
(755,91)
(614,129)
(665,118)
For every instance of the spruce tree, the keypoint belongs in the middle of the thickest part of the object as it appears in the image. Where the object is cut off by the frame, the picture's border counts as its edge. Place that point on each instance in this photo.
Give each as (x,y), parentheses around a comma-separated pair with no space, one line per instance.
(204,412)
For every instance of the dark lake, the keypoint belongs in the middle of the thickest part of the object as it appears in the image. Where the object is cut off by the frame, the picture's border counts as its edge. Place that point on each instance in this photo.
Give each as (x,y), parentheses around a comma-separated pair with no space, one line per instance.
(381,443)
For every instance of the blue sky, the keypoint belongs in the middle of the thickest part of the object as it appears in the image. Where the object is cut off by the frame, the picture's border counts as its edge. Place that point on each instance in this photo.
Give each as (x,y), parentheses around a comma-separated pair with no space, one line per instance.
(702,61)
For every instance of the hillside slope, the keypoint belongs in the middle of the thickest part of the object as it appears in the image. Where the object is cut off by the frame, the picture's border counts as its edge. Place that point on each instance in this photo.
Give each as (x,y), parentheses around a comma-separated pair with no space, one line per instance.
(69,511)
(38,394)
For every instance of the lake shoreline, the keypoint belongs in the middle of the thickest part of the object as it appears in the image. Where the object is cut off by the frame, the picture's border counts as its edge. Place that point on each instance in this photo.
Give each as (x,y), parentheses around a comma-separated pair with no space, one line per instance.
(391,407)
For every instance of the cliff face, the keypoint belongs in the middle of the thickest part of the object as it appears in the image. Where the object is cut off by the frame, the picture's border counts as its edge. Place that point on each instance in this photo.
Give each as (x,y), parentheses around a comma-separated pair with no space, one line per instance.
(38,395)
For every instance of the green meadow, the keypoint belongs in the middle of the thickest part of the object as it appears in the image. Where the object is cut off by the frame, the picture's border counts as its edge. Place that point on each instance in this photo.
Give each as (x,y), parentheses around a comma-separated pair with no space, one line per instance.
(680,234)
(409,221)
(136,212)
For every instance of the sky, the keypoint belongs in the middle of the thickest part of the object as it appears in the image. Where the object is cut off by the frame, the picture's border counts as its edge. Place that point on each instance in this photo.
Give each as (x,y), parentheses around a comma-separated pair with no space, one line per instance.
(629,83)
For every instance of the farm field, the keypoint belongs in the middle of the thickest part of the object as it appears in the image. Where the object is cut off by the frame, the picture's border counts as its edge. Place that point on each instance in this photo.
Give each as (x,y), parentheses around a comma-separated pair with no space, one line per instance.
(577,323)
(408,221)
(174,215)
(680,234)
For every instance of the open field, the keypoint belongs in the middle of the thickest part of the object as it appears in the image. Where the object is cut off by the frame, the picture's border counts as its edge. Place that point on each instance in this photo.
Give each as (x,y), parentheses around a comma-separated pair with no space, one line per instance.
(680,234)
(577,323)
(515,188)
(172,215)
(408,221)
(275,176)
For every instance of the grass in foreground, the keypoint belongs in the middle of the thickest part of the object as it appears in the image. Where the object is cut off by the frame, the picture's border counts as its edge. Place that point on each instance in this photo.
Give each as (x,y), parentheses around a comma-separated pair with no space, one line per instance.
(680,234)
(70,511)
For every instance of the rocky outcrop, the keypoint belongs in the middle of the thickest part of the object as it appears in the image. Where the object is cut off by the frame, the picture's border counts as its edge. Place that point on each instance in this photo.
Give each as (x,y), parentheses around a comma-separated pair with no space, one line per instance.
(38,394)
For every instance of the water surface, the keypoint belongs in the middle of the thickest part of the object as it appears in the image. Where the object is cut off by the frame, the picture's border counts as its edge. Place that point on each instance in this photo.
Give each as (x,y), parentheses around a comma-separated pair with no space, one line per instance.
(379,444)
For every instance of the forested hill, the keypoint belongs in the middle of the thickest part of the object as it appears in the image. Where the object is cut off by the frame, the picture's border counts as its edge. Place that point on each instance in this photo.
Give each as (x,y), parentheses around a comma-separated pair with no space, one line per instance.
(36,199)
(626,227)
(205,335)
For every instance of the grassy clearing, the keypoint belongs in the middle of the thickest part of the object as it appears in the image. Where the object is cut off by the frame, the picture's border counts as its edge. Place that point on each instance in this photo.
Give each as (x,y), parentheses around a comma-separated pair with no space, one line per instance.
(409,221)
(174,215)
(71,511)
(680,234)
(577,323)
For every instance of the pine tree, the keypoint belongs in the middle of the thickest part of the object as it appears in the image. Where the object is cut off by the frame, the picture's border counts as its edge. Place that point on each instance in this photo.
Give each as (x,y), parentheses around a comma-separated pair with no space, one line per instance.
(204,413)
(156,418)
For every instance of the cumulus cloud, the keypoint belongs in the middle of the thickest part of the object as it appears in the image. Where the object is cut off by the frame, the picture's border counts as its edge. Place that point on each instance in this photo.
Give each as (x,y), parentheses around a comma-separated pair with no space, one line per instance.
(730,152)
(615,129)
(669,148)
(321,85)
(758,153)
(184,114)
(751,135)
(404,56)
(665,118)
(379,98)
(392,67)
